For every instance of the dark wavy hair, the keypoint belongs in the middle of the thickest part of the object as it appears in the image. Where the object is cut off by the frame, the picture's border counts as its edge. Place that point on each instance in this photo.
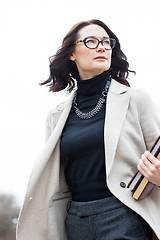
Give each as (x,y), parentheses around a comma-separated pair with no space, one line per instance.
(62,69)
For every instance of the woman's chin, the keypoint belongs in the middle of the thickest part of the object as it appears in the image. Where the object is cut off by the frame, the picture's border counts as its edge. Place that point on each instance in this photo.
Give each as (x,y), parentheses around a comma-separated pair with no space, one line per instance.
(101,70)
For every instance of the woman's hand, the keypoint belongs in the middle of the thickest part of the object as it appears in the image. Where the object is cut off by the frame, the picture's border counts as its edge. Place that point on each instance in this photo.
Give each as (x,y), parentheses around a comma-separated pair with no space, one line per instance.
(149,166)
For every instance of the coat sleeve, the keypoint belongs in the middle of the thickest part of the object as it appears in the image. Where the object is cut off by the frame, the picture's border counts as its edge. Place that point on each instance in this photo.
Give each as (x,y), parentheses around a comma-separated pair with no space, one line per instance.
(149,114)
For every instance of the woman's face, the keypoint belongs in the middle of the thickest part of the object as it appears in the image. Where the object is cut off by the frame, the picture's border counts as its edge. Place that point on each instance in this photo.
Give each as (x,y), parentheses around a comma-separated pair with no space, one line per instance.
(91,62)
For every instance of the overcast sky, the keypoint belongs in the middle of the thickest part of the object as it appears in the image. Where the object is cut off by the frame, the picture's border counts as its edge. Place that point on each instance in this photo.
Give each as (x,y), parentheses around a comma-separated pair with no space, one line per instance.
(31,31)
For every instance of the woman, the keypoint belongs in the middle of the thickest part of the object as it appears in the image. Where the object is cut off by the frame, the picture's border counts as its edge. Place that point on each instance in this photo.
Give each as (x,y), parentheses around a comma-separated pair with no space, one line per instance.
(78,187)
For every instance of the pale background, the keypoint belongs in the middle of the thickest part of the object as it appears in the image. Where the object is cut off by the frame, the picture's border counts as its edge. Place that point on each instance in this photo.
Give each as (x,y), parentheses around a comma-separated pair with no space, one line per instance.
(30,32)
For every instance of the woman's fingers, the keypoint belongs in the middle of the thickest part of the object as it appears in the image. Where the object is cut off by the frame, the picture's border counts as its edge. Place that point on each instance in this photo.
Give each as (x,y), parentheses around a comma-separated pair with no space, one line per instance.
(149,166)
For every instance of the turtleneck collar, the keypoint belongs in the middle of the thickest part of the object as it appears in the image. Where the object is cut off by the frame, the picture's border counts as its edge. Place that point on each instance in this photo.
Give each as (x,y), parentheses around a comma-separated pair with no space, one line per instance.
(92,86)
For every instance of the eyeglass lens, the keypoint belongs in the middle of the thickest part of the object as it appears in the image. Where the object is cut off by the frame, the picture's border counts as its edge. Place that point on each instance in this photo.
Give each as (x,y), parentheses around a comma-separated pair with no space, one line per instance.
(107,43)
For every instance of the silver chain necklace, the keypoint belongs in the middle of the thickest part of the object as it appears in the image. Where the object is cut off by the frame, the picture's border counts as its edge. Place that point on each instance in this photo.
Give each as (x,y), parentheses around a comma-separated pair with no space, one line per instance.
(98,106)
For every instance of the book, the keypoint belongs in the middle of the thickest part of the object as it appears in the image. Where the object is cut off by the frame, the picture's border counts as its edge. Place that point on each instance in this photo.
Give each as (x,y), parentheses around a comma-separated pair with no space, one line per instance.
(141,188)
(139,185)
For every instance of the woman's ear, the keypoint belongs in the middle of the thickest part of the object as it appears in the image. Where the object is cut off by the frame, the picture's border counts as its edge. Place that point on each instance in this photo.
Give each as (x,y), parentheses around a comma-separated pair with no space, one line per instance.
(72,57)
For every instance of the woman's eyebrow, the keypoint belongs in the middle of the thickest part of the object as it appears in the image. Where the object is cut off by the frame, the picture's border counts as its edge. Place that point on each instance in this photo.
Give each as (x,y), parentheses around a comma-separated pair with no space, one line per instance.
(98,37)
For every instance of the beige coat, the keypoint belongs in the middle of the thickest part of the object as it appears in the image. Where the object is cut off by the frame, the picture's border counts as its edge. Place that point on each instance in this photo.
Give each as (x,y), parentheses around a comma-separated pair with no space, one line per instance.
(132,124)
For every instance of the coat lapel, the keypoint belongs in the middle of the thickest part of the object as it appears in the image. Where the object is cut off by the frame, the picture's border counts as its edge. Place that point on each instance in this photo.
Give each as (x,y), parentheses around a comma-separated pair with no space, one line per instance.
(117,105)
(64,110)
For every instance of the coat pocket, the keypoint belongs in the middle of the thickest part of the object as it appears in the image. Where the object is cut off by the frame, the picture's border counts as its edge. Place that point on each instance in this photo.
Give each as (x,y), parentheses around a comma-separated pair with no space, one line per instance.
(57,214)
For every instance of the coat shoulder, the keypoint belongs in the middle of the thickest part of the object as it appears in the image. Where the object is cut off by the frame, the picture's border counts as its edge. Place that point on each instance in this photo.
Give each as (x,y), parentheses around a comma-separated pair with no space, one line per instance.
(58,108)
(137,92)
(118,88)
(139,95)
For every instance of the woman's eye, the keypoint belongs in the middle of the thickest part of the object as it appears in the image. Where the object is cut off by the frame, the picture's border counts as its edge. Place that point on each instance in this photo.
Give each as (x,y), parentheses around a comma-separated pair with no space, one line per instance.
(90,41)
(107,42)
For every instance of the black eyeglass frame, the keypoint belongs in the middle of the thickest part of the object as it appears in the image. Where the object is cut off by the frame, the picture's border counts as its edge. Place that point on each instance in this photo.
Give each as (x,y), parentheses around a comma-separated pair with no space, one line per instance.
(84,41)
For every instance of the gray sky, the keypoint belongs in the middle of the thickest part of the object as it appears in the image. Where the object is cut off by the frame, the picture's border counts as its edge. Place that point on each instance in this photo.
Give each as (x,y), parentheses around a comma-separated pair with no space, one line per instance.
(31,31)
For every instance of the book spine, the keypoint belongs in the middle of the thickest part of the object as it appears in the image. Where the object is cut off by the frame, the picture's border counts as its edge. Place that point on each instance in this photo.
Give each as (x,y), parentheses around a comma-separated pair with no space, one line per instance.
(140,188)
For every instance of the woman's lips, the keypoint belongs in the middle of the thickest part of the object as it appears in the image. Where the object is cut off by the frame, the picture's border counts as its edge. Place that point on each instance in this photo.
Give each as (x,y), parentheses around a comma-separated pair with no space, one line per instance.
(100,58)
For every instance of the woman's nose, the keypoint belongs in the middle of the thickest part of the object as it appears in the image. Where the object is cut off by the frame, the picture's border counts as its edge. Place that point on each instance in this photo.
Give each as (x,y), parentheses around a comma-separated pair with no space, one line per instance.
(100,47)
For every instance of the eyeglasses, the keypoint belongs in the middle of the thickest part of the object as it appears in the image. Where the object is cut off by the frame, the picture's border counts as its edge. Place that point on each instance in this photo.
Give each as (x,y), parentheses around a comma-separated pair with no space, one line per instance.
(92,42)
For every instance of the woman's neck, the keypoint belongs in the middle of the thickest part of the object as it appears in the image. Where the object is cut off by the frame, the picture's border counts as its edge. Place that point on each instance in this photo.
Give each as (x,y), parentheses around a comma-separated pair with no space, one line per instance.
(89,75)
(93,85)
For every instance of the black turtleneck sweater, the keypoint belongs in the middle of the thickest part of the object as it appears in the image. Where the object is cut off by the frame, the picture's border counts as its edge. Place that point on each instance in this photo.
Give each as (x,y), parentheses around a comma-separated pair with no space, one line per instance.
(82,144)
